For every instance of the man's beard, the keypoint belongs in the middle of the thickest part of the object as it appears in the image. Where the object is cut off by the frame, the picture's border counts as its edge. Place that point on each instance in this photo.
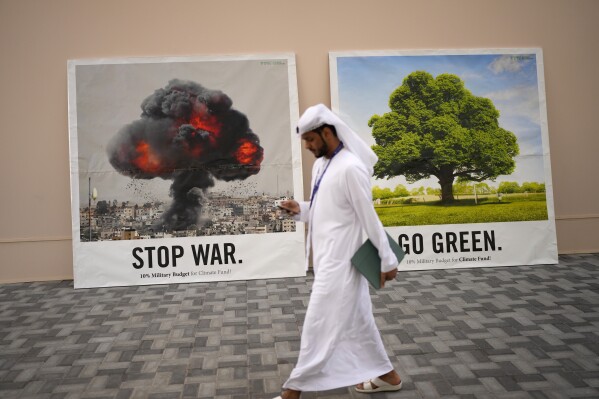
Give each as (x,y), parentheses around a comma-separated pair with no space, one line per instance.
(322,151)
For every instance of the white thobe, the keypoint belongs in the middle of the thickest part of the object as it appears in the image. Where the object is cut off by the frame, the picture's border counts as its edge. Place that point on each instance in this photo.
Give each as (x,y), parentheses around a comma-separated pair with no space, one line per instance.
(340,342)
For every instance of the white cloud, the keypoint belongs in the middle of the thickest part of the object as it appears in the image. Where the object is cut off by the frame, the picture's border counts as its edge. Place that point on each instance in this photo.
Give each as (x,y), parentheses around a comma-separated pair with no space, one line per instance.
(507,63)
(470,76)
(522,101)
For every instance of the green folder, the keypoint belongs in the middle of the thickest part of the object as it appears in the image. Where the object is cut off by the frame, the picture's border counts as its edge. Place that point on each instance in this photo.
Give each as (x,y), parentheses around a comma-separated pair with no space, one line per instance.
(367,260)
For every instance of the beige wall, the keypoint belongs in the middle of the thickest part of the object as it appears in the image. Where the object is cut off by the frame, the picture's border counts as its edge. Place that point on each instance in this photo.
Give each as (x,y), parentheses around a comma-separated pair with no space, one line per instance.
(38,37)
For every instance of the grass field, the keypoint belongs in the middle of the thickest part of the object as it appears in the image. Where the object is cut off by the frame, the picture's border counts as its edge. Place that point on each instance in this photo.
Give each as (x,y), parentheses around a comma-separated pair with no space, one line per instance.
(512,208)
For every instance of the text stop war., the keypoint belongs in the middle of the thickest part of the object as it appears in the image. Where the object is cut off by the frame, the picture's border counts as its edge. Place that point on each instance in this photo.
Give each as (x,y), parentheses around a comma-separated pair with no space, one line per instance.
(165,256)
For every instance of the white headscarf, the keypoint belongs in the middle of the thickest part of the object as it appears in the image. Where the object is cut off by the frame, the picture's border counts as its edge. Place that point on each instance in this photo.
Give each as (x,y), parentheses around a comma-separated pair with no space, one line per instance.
(318,115)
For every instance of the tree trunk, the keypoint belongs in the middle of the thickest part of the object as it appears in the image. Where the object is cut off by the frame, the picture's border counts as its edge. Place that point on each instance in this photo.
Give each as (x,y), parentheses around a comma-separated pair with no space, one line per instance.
(446,182)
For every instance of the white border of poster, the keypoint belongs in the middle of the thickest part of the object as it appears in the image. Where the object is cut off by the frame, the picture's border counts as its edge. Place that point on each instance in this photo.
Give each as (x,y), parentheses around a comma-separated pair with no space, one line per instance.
(361,85)
(121,235)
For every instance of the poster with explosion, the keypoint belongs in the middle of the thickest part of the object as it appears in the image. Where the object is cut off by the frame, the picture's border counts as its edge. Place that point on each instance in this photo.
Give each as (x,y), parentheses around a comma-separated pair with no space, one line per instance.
(463,177)
(177,165)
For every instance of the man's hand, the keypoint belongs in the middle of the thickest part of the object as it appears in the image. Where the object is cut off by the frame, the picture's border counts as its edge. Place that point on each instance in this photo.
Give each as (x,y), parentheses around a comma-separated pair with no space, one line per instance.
(388,277)
(290,206)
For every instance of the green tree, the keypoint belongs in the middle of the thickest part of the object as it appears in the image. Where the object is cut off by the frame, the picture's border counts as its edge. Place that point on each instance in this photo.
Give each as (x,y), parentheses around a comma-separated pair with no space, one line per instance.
(483,188)
(533,187)
(386,193)
(509,187)
(417,191)
(436,127)
(401,191)
(381,193)
(433,191)
(462,188)
(376,192)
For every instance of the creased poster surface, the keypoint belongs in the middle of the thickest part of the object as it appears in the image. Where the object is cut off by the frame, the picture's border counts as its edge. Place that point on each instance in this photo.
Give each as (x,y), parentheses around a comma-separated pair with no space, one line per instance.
(463,177)
(176,167)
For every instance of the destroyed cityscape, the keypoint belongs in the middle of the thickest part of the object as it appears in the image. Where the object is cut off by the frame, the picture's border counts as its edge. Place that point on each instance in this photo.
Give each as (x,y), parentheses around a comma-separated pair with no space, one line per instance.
(220,215)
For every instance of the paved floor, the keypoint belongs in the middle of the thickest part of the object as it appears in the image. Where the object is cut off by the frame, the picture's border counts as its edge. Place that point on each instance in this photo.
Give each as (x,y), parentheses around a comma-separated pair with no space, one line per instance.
(509,332)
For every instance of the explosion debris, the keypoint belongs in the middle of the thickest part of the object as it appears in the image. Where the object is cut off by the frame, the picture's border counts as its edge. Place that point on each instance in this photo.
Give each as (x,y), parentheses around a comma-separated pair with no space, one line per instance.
(188,134)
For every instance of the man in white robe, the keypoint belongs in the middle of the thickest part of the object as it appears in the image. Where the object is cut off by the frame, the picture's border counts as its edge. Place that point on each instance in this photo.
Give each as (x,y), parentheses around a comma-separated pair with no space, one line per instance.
(340,343)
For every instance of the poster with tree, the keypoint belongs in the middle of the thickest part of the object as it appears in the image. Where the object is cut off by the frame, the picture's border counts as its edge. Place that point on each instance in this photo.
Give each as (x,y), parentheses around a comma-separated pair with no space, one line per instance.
(463,177)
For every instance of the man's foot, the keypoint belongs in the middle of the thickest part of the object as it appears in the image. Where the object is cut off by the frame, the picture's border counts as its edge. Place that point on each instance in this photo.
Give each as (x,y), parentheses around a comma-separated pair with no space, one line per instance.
(290,394)
(392,379)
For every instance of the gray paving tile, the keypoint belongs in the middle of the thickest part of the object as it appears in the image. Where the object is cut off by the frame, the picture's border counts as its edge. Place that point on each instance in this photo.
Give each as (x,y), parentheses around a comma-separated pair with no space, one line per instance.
(492,333)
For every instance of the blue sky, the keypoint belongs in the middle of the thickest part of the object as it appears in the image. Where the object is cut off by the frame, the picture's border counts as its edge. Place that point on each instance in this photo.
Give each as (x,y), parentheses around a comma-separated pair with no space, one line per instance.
(509,80)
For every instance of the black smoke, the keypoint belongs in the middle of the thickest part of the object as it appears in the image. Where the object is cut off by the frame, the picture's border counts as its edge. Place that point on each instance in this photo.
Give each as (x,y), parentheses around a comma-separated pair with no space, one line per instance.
(188,134)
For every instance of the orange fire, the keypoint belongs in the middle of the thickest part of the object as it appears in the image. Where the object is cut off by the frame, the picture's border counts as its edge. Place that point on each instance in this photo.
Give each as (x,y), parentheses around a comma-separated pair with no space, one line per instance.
(147,160)
(203,119)
(207,122)
(246,153)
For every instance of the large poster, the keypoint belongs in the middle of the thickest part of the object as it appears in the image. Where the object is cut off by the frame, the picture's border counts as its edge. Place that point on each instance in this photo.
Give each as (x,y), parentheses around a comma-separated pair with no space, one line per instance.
(463,177)
(176,167)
